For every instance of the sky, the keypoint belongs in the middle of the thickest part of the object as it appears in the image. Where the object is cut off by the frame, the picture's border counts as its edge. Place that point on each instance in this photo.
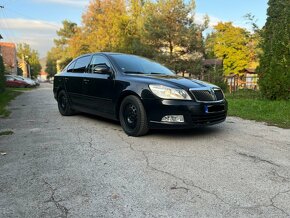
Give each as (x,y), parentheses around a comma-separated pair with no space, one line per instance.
(36,21)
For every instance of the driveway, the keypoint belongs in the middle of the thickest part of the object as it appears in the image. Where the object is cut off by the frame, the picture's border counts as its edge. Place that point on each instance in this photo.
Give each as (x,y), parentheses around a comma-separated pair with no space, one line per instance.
(85,166)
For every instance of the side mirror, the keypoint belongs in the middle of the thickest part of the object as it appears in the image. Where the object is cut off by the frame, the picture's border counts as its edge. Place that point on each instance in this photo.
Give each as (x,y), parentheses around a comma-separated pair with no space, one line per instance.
(102,69)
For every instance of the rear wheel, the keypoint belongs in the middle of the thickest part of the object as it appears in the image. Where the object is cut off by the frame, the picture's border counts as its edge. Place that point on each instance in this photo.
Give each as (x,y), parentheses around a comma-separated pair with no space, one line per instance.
(63,104)
(133,116)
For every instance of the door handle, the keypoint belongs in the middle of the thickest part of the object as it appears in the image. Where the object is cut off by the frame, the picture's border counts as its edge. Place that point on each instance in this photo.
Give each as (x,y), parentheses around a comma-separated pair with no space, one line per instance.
(65,79)
(86,80)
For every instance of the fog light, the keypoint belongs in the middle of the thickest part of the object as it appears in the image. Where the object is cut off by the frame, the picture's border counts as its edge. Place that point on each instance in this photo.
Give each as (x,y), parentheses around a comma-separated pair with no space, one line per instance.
(173,119)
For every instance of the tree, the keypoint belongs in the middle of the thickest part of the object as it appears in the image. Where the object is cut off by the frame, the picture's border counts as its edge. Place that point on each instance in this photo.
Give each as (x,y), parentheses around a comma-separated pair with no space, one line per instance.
(163,30)
(51,64)
(254,41)
(230,43)
(2,72)
(104,25)
(170,28)
(274,67)
(167,24)
(31,56)
(61,52)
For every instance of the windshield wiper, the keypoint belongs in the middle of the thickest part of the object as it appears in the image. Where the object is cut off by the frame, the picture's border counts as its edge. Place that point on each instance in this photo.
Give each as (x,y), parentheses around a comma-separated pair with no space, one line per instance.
(155,73)
(133,72)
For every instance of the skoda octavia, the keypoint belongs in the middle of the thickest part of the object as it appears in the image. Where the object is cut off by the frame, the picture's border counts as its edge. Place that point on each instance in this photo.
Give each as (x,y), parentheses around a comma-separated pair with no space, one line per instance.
(139,92)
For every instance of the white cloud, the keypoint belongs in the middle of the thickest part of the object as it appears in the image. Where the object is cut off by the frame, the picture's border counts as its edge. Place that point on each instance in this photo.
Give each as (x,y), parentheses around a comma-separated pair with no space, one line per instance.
(65,2)
(38,34)
(26,24)
(199,18)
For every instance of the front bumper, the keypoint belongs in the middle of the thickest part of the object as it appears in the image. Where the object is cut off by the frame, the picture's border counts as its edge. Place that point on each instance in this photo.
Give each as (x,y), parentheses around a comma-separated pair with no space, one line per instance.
(194,113)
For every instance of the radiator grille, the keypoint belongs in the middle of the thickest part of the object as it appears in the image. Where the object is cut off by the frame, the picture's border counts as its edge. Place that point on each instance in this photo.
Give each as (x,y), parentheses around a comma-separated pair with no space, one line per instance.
(208,95)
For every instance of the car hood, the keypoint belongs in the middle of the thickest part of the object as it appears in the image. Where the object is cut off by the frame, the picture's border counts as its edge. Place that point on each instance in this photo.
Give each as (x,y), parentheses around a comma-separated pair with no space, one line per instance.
(173,80)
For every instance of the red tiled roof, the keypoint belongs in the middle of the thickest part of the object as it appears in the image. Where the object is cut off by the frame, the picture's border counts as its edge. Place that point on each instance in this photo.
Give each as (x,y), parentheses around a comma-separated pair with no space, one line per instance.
(8,44)
(42,73)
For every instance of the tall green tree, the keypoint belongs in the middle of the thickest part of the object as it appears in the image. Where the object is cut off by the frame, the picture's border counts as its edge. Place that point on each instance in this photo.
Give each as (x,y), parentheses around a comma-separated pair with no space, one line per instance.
(31,56)
(61,51)
(274,67)
(2,72)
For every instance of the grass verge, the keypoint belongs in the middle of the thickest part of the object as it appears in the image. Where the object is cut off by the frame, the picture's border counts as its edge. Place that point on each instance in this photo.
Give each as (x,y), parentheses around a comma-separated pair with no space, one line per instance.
(250,105)
(5,98)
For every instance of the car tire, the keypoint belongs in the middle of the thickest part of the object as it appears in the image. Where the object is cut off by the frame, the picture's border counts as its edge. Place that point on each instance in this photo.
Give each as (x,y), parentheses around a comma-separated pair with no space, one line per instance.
(63,103)
(133,116)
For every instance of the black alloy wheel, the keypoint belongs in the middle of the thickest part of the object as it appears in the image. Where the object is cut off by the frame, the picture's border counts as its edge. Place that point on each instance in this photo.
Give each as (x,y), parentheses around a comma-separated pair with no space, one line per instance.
(133,116)
(63,104)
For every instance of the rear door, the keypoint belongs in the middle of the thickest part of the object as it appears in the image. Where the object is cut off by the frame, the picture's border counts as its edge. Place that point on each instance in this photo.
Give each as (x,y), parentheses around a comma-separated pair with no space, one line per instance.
(98,88)
(74,80)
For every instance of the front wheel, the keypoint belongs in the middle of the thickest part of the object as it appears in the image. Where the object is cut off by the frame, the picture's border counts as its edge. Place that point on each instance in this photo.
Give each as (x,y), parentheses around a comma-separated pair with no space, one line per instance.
(63,104)
(133,116)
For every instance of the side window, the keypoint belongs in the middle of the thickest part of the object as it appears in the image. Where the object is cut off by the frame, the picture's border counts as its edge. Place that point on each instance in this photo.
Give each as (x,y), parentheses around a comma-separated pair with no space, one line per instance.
(98,60)
(70,68)
(81,64)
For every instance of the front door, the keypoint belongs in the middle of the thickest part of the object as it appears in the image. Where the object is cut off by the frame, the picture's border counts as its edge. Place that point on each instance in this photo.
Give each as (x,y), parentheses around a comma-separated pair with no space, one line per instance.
(98,88)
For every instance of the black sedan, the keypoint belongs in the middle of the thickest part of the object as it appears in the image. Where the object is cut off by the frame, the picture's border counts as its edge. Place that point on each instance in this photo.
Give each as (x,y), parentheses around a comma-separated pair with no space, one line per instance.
(138,92)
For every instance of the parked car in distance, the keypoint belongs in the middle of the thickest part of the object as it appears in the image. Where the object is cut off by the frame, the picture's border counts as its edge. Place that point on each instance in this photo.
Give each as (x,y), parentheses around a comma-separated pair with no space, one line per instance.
(138,92)
(31,82)
(13,81)
(37,82)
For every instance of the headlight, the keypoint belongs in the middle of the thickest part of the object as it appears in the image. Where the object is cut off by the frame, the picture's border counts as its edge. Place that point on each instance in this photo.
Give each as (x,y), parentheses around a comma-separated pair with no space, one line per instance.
(168,92)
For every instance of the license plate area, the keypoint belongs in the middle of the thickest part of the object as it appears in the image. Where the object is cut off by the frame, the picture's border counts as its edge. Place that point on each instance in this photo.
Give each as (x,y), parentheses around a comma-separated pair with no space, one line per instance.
(214,108)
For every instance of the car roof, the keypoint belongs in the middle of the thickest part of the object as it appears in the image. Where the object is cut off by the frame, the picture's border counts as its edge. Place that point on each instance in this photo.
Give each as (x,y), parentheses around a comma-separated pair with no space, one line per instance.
(104,53)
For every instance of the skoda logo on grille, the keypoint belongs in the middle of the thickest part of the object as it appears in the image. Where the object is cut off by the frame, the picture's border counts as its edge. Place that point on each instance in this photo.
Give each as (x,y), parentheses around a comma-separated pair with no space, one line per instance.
(212,93)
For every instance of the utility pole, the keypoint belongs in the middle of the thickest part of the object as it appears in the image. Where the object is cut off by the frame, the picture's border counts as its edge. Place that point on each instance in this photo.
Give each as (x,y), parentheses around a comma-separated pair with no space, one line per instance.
(1,6)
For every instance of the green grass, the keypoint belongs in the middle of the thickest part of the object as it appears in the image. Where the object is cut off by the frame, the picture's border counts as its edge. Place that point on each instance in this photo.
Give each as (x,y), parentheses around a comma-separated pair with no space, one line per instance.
(5,98)
(20,89)
(250,105)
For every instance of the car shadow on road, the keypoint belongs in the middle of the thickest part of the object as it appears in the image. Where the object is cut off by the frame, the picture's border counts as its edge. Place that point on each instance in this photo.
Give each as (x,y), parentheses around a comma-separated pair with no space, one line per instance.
(188,133)
(185,133)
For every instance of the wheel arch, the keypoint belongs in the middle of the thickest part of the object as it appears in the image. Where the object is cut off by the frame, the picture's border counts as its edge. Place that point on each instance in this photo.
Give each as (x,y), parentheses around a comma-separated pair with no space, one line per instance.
(58,91)
(122,97)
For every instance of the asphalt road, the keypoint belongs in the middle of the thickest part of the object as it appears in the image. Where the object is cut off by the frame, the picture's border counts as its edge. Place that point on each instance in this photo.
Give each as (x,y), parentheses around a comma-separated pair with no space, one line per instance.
(85,166)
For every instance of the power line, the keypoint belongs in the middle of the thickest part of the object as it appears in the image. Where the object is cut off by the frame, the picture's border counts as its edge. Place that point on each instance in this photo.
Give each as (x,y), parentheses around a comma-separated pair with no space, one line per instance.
(8,33)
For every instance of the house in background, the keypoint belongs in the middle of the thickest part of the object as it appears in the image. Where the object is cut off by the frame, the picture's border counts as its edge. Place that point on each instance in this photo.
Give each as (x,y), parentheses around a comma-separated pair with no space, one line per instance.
(247,79)
(251,78)
(8,52)
(42,76)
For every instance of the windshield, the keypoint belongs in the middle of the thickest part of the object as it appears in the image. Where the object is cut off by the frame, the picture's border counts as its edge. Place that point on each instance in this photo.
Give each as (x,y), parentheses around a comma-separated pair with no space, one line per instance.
(139,65)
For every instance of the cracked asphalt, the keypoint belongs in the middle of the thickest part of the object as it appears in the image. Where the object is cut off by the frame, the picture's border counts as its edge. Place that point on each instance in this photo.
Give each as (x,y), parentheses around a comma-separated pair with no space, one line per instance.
(85,166)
